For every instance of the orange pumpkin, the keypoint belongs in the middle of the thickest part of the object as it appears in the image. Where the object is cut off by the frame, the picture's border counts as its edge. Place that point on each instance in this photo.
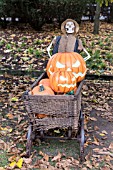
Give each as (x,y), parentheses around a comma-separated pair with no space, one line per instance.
(67,61)
(42,90)
(40,116)
(45,82)
(30,93)
(63,81)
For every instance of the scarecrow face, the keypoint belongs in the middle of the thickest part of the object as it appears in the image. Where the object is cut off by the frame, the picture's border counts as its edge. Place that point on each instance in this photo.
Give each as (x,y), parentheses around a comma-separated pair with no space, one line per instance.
(70,27)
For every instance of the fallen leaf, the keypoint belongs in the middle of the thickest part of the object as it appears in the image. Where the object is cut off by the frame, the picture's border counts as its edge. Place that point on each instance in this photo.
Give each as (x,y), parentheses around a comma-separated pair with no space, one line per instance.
(14,99)
(85,87)
(19,119)
(93,118)
(3,145)
(88,164)
(105,168)
(10,116)
(12,164)
(85,93)
(96,128)
(25,58)
(104,138)
(75,162)
(87,157)
(96,141)
(96,149)
(84,168)
(12,35)
(96,156)
(111,147)
(106,153)
(5,130)
(57,131)
(58,157)
(12,158)
(102,134)
(7,51)
(19,163)
(27,160)
(45,156)
(1,168)
(104,131)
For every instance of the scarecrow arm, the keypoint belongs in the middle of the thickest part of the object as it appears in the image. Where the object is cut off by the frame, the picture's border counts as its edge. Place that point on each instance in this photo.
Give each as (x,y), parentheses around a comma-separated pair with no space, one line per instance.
(80,47)
(49,47)
(88,55)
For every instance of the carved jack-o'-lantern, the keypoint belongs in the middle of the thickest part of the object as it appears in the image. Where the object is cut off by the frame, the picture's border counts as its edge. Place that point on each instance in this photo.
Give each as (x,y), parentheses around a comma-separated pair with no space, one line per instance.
(68,61)
(63,82)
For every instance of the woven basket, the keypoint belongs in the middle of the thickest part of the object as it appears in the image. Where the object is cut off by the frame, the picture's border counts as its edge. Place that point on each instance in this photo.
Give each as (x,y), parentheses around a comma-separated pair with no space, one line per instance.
(62,110)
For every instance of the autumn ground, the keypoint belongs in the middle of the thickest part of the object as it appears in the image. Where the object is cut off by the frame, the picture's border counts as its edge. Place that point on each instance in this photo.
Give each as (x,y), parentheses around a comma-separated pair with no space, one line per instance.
(26,50)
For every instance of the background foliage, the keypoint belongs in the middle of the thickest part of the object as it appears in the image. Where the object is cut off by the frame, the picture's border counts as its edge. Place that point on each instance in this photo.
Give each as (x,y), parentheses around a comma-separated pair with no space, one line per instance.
(38,12)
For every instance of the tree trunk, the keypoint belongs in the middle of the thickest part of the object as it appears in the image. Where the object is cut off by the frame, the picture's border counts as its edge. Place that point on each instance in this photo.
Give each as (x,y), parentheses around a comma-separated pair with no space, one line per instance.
(111,13)
(97,21)
(3,23)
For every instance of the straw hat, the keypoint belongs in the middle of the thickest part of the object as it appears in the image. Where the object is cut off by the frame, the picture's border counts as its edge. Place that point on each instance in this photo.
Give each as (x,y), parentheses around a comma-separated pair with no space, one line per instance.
(68,20)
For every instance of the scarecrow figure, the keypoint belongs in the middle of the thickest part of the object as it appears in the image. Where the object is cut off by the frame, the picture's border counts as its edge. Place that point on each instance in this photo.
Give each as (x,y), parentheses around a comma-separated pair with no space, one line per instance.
(69,41)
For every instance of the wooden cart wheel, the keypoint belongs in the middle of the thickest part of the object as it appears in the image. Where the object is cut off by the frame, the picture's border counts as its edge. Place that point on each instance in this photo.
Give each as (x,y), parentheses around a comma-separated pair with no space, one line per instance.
(29,141)
(82,136)
(41,134)
(82,140)
(69,132)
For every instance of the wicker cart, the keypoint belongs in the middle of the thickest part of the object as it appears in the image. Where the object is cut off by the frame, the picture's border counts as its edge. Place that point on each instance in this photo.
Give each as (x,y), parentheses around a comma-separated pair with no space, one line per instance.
(63,111)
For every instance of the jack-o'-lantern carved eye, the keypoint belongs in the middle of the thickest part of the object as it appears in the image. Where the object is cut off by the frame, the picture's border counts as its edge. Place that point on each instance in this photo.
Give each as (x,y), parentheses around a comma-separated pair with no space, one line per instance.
(59,65)
(76,64)
(63,78)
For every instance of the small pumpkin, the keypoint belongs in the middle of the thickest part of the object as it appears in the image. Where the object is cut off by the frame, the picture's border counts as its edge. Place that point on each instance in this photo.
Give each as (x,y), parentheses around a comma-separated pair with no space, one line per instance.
(30,92)
(45,82)
(67,61)
(42,90)
(40,116)
(63,82)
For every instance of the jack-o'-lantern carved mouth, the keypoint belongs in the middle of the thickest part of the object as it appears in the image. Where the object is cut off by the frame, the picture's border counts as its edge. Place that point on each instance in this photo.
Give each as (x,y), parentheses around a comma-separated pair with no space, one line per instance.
(67,85)
(64,80)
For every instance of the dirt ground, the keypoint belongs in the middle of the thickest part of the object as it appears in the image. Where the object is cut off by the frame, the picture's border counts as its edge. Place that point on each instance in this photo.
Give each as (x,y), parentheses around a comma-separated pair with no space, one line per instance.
(97,99)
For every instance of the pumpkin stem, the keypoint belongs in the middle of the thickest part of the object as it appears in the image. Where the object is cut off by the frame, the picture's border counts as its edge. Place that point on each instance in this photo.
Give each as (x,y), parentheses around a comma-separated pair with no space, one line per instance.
(41,88)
